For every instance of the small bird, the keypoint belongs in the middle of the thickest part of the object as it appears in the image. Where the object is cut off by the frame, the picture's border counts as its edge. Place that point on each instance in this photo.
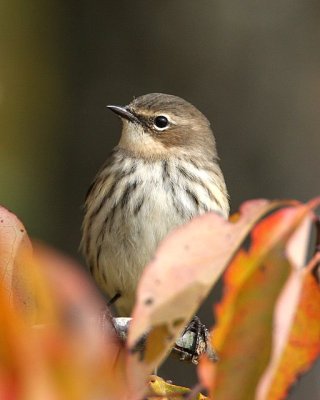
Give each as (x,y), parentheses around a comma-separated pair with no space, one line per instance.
(163,172)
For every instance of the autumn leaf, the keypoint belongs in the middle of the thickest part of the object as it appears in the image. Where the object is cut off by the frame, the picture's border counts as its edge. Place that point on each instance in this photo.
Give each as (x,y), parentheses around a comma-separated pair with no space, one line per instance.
(187,264)
(73,352)
(15,248)
(253,283)
(296,337)
(160,389)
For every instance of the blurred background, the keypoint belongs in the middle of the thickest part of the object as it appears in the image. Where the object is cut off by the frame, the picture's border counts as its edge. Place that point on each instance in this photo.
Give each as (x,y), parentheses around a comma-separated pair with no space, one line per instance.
(252,67)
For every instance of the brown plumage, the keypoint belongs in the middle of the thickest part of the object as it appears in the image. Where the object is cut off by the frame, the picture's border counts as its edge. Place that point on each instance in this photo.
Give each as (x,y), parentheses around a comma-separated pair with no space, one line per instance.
(163,172)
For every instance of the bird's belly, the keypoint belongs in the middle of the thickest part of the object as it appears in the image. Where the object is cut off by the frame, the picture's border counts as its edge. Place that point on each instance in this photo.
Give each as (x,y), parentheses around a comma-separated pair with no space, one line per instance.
(132,242)
(143,209)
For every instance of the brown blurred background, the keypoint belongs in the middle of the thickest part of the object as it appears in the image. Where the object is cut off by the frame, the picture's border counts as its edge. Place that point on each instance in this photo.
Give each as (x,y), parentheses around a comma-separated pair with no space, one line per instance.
(252,67)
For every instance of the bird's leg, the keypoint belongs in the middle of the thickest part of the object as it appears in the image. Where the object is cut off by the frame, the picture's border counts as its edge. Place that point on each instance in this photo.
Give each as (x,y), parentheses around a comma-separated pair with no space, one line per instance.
(194,341)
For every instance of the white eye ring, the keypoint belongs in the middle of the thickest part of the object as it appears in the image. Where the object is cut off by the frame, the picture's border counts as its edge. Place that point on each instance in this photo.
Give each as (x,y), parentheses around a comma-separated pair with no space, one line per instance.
(161,122)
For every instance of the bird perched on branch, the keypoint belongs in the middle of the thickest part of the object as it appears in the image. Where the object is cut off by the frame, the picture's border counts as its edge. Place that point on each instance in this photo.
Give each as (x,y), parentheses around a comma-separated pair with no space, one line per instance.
(163,172)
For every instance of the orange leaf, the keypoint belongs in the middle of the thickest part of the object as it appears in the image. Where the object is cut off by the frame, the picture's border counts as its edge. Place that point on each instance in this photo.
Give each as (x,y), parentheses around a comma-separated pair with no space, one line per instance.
(302,346)
(75,353)
(243,335)
(15,247)
(206,371)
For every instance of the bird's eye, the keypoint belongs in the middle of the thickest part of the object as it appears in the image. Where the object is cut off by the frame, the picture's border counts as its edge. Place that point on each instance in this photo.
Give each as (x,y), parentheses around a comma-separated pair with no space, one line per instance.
(161,122)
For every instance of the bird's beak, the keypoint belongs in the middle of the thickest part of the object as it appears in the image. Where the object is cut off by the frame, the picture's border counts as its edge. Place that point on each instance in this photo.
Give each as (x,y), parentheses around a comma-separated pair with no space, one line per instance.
(123,112)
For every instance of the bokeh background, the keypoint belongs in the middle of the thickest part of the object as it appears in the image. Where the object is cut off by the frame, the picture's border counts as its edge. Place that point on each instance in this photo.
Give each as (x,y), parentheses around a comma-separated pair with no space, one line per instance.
(252,67)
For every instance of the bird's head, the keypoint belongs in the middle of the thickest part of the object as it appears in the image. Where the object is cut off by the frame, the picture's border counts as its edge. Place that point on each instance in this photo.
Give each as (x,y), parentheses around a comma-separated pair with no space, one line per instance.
(159,125)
